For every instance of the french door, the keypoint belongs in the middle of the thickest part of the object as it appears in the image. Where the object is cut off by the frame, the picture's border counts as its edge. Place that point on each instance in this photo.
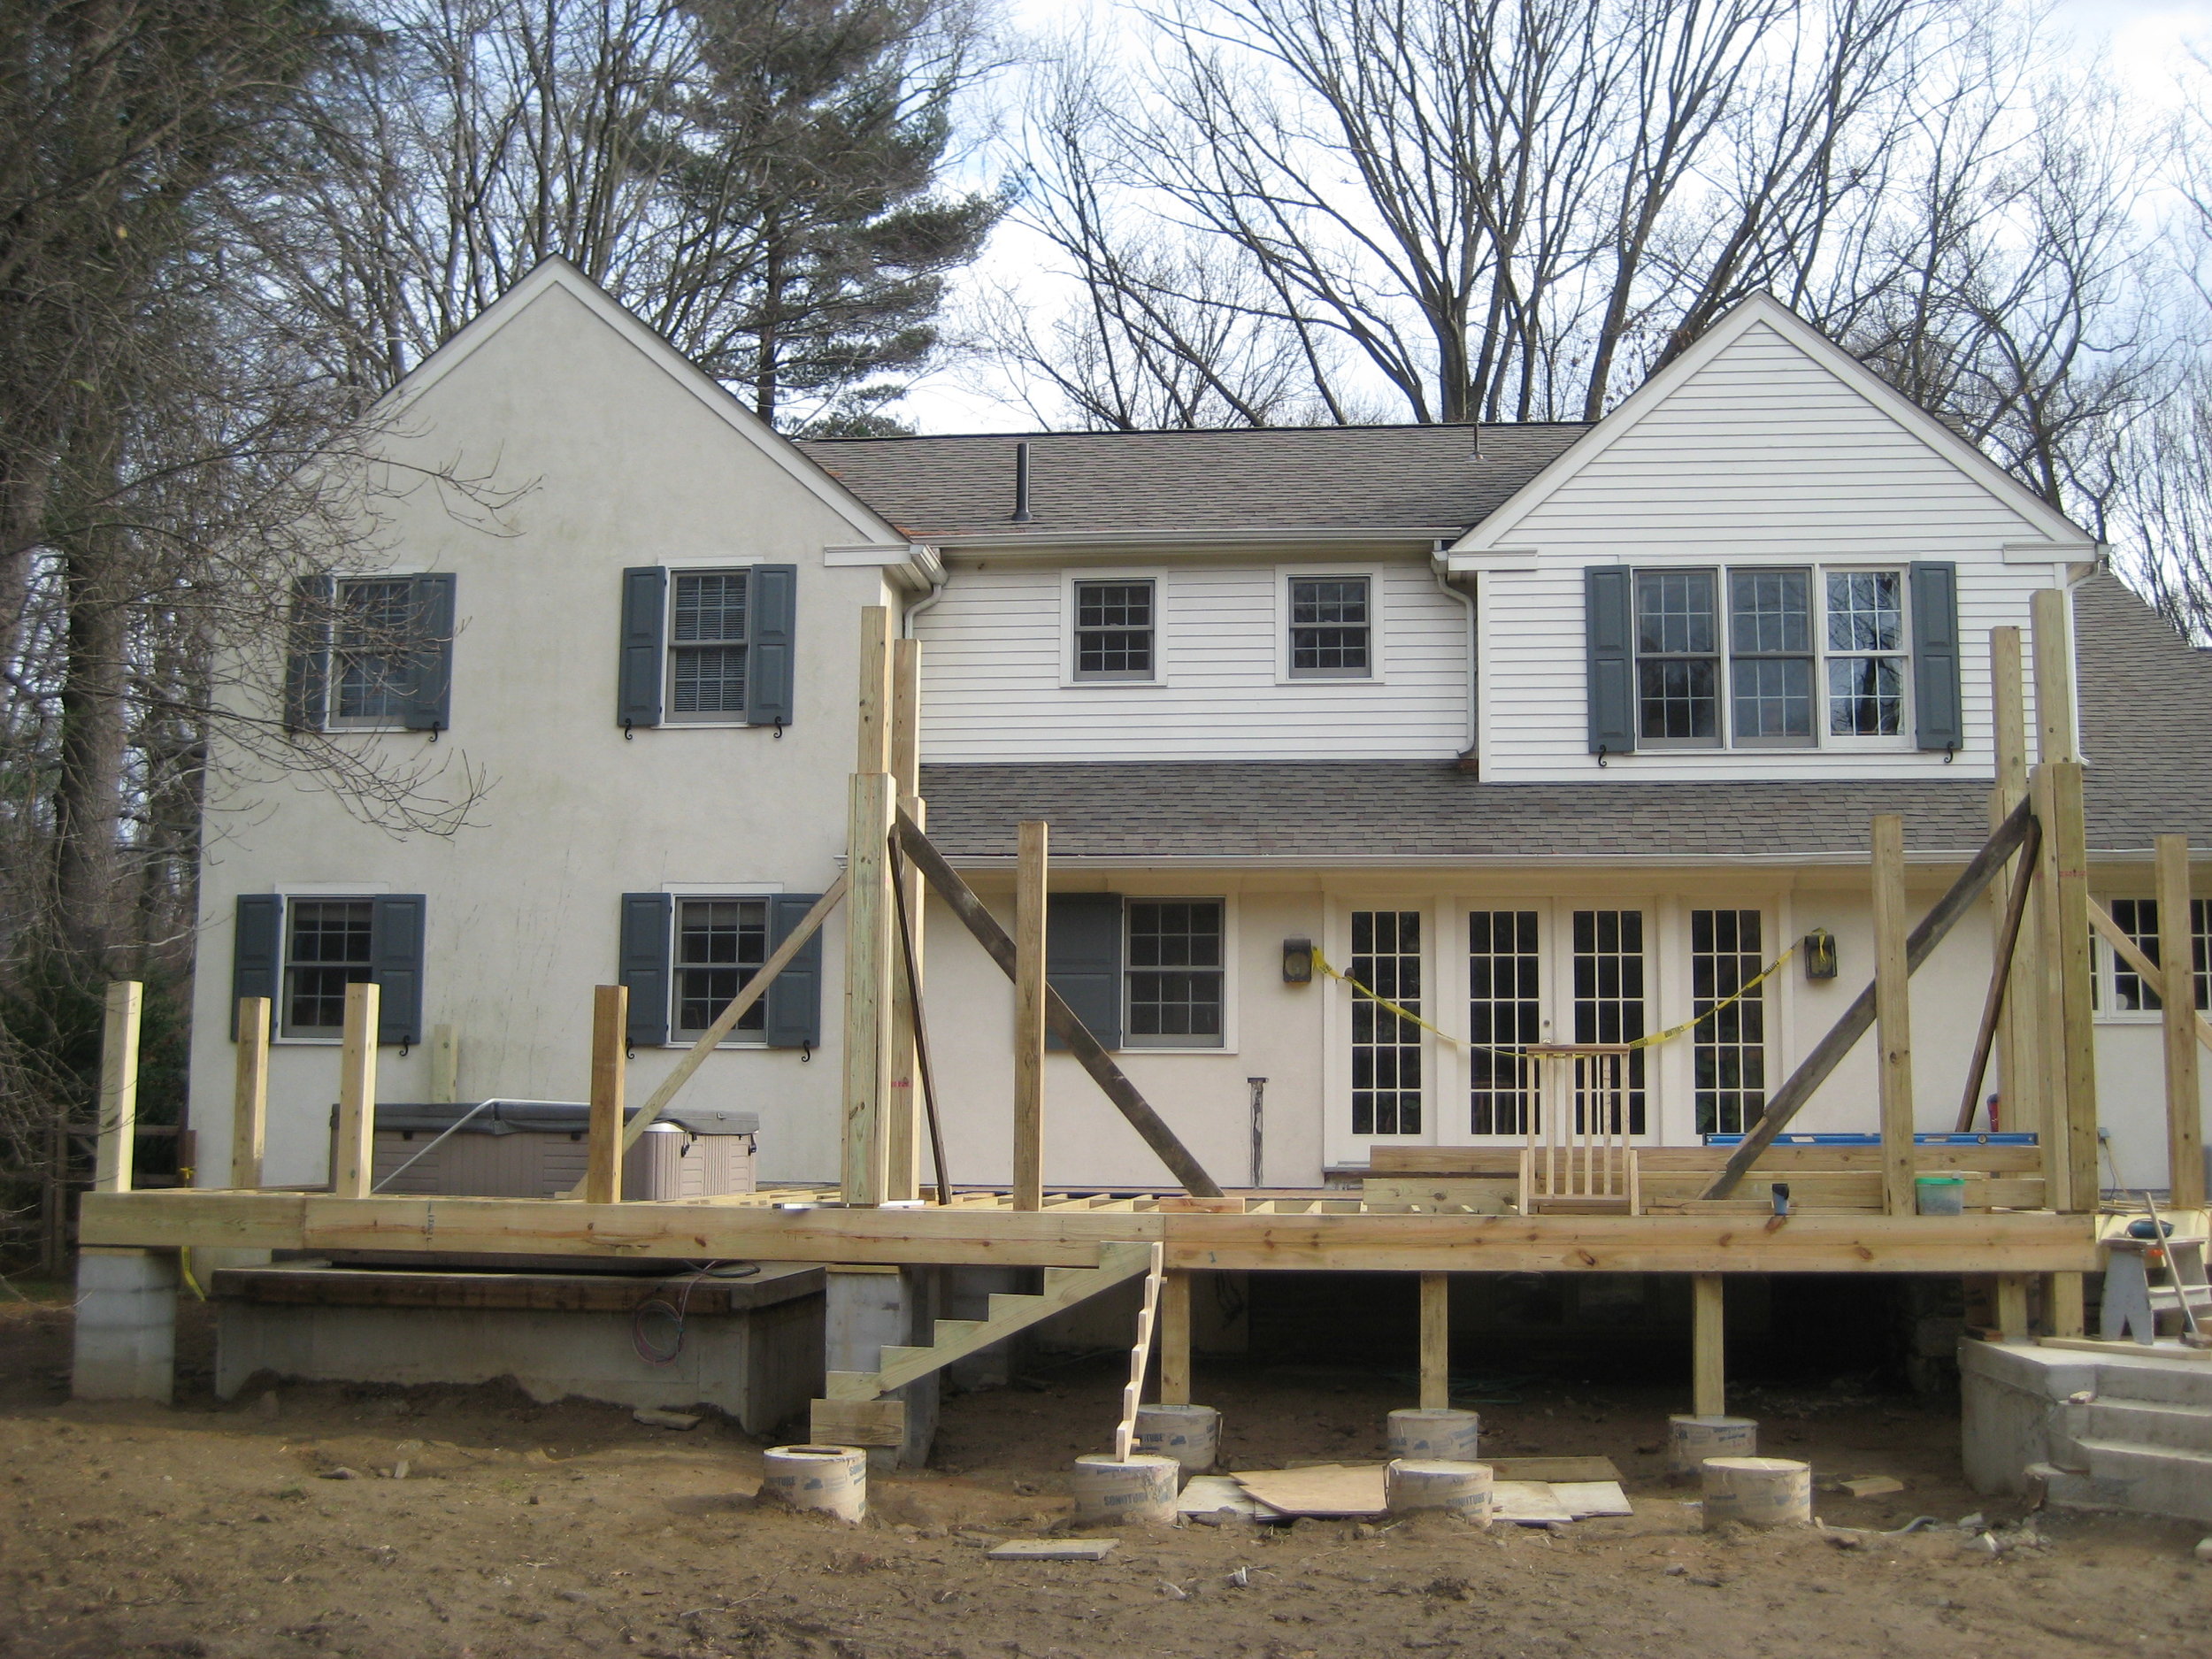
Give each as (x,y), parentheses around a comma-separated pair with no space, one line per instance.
(1552,973)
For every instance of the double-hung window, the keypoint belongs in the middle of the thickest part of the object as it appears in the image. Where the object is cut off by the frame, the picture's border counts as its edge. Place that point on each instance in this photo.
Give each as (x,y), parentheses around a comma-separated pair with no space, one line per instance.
(372,655)
(1114,630)
(1174,974)
(720,945)
(1331,629)
(1770,655)
(1866,653)
(707,636)
(1677,659)
(327,946)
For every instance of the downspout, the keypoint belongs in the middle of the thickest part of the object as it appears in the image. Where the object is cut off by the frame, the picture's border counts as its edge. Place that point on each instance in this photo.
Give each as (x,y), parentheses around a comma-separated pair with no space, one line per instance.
(937,586)
(1470,760)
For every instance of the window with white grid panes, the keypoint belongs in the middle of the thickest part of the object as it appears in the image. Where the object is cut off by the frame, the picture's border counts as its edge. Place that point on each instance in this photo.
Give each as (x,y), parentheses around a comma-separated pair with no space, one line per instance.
(1866,653)
(2118,990)
(709,616)
(1505,1010)
(1174,978)
(1113,630)
(1330,628)
(327,946)
(1610,998)
(1677,660)
(1770,657)
(1728,1055)
(372,652)
(2201,948)
(720,945)
(1386,1048)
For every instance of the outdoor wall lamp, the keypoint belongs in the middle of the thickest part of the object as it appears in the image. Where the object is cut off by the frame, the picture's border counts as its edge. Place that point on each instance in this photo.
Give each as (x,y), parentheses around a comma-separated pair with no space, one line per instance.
(1820,955)
(1298,961)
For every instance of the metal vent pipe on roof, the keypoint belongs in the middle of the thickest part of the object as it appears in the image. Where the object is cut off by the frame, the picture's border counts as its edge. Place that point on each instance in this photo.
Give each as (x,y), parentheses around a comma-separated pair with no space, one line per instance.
(1021,482)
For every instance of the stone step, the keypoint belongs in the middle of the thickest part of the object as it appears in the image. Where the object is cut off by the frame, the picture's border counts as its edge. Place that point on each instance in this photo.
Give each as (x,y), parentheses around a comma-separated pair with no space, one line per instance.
(2149,1423)
(2145,1480)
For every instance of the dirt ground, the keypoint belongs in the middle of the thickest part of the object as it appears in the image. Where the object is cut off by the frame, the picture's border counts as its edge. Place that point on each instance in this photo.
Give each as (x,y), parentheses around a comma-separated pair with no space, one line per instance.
(215,1530)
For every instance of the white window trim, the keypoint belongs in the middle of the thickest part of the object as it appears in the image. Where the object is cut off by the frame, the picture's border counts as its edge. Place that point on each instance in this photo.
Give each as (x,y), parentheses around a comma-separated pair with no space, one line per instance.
(1908,712)
(1158,576)
(678,892)
(1230,952)
(287,891)
(668,716)
(1378,664)
(1904,743)
(357,725)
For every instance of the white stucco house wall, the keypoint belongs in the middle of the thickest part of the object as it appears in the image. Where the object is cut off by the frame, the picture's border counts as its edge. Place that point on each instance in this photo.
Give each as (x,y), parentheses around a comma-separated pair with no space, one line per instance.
(1552,727)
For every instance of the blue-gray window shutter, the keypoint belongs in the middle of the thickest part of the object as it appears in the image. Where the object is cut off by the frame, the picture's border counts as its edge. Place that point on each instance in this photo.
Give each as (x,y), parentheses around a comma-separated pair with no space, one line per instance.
(646,921)
(430,693)
(255,950)
(396,938)
(1083,960)
(307,654)
(1609,618)
(793,1017)
(775,599)
(644,608)
(1938,720)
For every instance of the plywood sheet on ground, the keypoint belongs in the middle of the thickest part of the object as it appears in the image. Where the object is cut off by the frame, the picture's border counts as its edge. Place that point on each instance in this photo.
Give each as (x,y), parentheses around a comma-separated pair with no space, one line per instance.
(1326,1489)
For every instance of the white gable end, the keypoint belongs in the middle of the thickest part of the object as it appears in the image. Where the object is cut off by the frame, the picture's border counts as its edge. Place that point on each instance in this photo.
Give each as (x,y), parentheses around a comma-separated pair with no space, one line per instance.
(1768,445)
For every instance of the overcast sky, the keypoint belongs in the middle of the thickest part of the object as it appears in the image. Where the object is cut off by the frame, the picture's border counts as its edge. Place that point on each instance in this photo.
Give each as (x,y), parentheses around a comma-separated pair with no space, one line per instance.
(2144,40)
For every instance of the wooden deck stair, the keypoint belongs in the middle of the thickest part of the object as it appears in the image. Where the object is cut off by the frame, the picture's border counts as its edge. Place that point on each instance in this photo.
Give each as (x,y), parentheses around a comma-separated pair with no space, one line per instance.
(955,1339)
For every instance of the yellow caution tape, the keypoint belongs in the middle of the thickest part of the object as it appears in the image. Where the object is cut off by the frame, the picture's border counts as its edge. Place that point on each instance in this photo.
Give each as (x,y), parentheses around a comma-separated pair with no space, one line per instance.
(1519,1050)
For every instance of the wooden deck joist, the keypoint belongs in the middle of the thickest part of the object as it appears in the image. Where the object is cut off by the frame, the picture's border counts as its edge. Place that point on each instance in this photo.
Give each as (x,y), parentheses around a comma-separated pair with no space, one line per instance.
(1072,1237)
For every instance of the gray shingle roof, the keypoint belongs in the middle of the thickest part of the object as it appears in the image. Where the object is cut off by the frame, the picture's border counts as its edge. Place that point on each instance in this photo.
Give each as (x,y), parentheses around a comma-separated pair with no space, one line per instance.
(1281,479)
(2146,719)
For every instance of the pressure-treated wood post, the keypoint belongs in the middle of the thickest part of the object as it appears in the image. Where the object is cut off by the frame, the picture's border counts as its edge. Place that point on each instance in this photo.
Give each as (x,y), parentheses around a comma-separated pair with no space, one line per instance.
(2067,832)
(116,1149)
(2012,1307)
(870,922)
(250,1100)
(445,1066)
(1708,1349)
(1436,1341)
(353,1160)
(1175,1385)
(902,1137)
(2047,998)
(610,1030)
(2178,995)
(1892,1013)
(1029,1018)
(2020,1081)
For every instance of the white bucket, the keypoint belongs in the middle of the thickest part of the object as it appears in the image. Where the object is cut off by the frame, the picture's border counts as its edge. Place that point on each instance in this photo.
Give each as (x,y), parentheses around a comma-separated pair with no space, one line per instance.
(1692,1440)
(1415,1484)
(1758,1491)
(1189,1434)
(1109,1492)
(1444,1433)
(829,1477)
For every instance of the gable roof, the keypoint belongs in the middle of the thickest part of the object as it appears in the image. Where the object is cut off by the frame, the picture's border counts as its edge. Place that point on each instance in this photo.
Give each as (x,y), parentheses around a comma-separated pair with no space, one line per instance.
(2068,540)
(555,272)
(1418,482)
(2147,730)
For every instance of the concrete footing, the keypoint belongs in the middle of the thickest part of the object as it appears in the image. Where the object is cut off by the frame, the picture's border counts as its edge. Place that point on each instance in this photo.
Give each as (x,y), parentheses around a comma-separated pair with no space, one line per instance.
(868,1310)
(126,1327)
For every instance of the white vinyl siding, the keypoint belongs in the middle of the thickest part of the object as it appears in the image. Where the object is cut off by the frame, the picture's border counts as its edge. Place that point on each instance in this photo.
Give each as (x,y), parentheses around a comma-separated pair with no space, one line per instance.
(994,687)
(1763,458)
